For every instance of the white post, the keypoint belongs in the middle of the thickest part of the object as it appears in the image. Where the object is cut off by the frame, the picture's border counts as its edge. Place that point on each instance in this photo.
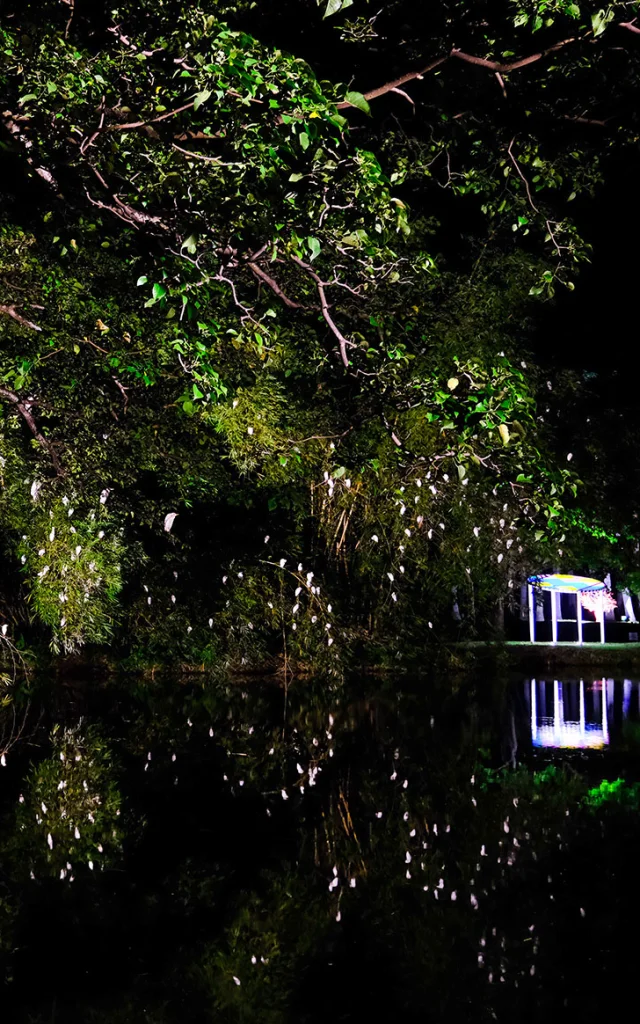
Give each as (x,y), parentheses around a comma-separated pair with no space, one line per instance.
(626,697)
(579,605)
(556,711)
(605,722)
(601,616)
(582,714)
(554,617)
(532,615)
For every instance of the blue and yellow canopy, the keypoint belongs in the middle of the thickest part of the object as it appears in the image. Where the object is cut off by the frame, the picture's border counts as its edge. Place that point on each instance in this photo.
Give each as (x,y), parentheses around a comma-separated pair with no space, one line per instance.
(565,584)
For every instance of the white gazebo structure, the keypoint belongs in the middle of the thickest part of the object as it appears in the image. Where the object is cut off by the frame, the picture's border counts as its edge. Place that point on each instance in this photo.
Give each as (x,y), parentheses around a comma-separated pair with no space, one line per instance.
(559,583)
(556,723)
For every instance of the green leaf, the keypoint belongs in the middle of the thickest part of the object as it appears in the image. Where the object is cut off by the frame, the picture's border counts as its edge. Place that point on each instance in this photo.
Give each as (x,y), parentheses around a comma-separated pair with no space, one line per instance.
(25,99)
(201,97)
(314,247)
(600,20)
(304,140)
(333,6)
(340,471)
(197,393)
(159,291)
(296,176)
(356,99)
(142,280)
(190,244)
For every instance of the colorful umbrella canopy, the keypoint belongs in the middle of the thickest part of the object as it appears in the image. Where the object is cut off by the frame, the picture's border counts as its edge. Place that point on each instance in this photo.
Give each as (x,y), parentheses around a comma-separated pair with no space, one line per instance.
(565,583)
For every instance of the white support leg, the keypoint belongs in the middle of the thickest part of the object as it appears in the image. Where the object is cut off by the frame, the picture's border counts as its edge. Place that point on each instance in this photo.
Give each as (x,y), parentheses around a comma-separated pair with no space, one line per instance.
(582,712)
(579,607)
(601,617)
(532,615)
(554,617)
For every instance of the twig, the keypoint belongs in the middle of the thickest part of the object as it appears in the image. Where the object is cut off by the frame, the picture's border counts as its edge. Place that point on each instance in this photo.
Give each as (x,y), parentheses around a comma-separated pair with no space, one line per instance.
(500,81)
(88,341)
(630,25)
(72,4)
(585,120)
(152,120)
(86,142)
(201,156)
(406,96)
(123,392)
(521,175)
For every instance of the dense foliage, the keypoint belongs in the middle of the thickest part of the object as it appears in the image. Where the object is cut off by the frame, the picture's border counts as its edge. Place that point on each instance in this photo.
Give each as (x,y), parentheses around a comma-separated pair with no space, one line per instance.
(268,369)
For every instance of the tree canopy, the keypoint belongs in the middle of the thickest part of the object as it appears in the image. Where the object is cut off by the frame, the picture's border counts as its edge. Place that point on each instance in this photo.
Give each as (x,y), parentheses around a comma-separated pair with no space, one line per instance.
(271,277)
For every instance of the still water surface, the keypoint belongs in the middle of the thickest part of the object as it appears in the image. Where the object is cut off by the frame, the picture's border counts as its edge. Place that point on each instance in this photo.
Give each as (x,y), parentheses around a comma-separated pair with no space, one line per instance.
(410,850)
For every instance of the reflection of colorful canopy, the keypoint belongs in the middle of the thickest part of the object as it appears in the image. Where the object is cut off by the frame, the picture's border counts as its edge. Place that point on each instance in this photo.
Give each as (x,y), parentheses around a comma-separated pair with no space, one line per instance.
(566,584)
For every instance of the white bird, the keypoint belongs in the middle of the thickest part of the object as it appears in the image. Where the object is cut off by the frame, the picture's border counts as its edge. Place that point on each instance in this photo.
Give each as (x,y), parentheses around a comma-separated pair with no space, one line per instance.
(169,520)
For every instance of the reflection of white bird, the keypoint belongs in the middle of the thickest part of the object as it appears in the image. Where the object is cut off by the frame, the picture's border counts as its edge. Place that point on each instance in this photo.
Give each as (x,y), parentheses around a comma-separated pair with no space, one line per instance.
(169,520)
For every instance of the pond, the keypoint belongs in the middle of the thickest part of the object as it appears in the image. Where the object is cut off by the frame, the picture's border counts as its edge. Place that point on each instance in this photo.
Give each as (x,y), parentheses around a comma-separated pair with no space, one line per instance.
(409,848)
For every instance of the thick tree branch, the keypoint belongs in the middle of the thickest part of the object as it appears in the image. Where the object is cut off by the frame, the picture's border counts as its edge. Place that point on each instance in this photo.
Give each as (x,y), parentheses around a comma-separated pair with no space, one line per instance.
(324,309)
(630,26)
(23,408)
(495,65)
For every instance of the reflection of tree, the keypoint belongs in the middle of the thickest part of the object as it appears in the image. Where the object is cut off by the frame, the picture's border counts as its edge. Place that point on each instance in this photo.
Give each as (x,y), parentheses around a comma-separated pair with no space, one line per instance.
(408,878)
(13,717)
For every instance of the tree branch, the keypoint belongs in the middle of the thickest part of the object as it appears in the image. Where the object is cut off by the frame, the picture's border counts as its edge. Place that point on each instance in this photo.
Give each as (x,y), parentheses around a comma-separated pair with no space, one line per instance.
(12,312)
(324,309)
(521,176)
(71,4)
(274,286)
(27,144)
(373,94)
(201,156)
(23,408)
(151,120)
(495,65)
(492,65)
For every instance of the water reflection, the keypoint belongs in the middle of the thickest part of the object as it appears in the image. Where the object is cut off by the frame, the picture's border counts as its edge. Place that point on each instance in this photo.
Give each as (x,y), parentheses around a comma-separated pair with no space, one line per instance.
(579,714)
(389,840)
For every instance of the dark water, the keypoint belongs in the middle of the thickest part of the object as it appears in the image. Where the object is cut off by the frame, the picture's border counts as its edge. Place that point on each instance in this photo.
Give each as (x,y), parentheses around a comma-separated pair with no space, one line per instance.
(410,849)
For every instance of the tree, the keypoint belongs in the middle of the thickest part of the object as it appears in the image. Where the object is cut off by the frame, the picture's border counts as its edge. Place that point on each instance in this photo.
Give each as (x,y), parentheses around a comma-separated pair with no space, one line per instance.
(266,303)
